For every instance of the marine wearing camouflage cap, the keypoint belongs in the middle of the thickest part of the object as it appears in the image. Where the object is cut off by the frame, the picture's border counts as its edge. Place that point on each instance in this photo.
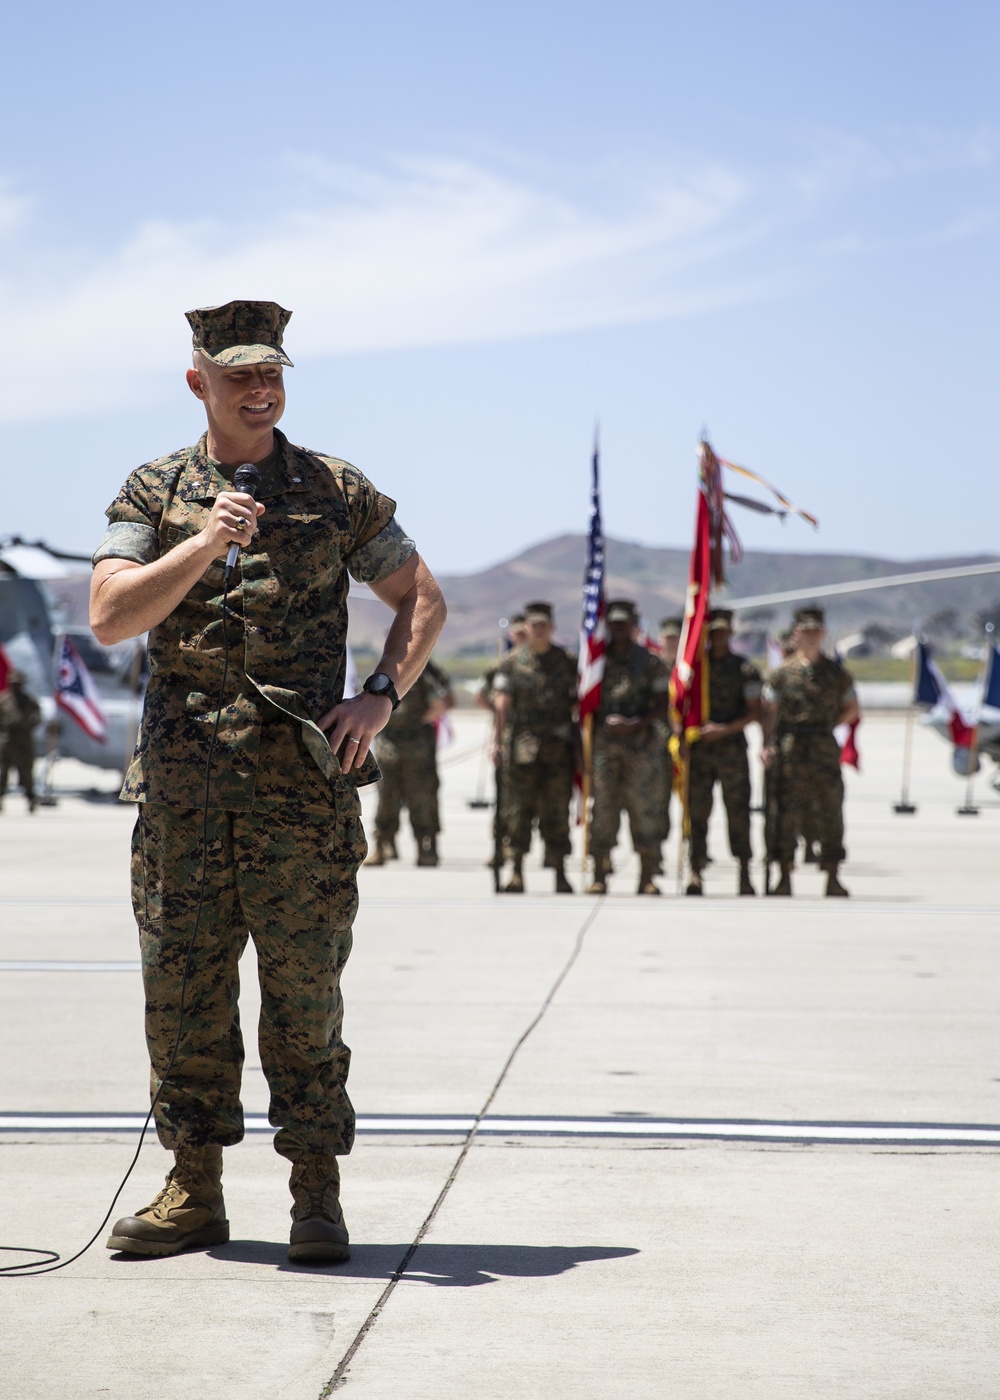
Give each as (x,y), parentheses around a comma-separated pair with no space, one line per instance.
(622,610)
(720,617)
(241,333)
(810,617)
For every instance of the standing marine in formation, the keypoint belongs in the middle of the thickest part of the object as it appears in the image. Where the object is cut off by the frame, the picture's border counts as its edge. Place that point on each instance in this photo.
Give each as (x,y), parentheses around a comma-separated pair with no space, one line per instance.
(406,750)
(19,715)
(719,755)
(534,703)
(805,699)
(629,757)
(670,637)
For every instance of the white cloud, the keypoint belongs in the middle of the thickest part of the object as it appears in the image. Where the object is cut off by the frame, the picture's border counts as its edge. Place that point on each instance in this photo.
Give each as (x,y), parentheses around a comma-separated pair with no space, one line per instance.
(427,253)
(435,252)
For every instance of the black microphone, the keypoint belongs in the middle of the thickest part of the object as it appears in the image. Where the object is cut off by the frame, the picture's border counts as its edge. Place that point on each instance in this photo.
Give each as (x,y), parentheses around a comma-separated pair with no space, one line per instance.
(247,480)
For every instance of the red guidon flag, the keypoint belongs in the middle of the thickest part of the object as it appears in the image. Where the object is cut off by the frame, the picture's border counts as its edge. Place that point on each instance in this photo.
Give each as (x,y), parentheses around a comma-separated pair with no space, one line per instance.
(689,683)
(77,694)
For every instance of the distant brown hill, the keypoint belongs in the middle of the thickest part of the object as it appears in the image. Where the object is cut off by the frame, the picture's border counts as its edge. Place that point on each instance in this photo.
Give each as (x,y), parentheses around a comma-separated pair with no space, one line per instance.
(656,578)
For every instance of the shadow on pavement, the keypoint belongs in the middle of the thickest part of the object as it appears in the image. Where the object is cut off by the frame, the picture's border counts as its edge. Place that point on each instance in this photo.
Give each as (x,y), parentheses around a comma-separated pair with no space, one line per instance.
(449,1265)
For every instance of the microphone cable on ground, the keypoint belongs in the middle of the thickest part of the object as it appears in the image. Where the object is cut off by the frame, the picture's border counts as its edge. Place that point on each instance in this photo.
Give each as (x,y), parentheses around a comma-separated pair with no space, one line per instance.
(52,1261)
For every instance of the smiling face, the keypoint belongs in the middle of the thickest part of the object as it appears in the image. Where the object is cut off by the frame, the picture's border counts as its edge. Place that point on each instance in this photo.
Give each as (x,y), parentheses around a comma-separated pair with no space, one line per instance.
(243,404)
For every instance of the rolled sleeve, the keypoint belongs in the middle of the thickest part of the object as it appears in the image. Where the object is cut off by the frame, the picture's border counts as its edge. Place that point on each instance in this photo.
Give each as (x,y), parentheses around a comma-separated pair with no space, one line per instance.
(382,555)
(127,539)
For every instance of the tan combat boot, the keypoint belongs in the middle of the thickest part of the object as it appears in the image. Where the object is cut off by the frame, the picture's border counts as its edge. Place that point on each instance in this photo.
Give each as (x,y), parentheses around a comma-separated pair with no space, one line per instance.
(189,1210)
(380,853)
(647,885)
(515,885)
(318,1234)
(427,852)
(602,869)
(834,888)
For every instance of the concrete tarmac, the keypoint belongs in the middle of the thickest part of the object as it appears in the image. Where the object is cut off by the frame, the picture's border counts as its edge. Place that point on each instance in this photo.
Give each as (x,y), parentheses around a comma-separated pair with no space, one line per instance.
(730,1147)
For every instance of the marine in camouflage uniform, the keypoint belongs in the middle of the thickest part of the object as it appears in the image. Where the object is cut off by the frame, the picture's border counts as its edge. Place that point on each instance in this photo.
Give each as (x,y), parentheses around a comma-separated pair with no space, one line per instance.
(19,714)
(670,636)
(406,750)
(534,701)
(719,755)
(787,640)
(629,769)
(280,807)
(806,698)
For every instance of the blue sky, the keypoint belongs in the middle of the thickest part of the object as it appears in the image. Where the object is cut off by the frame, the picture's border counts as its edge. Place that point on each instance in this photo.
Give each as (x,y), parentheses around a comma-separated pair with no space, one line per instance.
(498,223)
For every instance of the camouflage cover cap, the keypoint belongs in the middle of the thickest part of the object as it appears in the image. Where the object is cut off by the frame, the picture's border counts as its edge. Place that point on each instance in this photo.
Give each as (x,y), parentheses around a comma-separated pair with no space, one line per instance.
(810,617)
(535,612)
(671,626)
(720,617)
(622,610)
(241,332)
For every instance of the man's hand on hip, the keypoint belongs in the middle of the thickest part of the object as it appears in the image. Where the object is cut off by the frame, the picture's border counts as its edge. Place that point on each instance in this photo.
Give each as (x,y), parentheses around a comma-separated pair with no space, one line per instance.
(353,725)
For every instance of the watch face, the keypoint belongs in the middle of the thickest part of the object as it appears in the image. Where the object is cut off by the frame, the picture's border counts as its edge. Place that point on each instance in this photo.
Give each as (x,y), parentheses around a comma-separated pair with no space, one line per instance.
(379,683)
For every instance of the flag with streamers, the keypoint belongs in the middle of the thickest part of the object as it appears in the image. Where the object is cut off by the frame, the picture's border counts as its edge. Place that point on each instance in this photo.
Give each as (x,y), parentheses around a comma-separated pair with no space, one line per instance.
(593,632)
(77,694)
(689,682)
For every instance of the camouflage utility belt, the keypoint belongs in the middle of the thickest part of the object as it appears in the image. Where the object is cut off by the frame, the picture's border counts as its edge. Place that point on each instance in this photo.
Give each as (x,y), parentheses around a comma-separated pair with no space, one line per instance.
(526,745)
(543,725)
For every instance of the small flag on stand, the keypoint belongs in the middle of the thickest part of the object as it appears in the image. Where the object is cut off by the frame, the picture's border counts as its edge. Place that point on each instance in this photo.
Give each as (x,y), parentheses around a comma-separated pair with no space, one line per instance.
(77,694)
(991,684)
(932,689)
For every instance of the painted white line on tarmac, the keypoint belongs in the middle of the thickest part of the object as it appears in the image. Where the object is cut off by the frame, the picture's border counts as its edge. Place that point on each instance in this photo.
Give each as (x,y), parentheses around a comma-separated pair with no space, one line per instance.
(906,1134)
(55,965)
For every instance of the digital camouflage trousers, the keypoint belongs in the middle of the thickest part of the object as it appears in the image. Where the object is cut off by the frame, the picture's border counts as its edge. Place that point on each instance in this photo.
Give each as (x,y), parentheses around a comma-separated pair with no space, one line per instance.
(410,780)
(285,878)
(808,795)
(539,791)
(18,754)
(724,762)
(630,775)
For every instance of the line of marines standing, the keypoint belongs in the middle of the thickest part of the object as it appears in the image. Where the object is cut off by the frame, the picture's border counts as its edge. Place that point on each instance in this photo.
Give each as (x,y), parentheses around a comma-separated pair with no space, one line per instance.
(536,743)
(639,758)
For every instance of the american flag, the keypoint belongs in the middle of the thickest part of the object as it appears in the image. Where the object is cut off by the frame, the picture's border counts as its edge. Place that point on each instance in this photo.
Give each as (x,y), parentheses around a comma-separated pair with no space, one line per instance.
(590,667)
(77,694)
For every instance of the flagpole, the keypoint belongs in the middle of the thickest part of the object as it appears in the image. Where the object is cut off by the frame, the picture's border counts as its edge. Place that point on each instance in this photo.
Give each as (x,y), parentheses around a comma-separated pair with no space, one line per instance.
(587,734)
(904,807)
(685,821)
(969,809)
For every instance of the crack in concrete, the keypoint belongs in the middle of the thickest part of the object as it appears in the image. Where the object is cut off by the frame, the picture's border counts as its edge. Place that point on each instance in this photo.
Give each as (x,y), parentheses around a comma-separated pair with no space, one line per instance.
(339,1376)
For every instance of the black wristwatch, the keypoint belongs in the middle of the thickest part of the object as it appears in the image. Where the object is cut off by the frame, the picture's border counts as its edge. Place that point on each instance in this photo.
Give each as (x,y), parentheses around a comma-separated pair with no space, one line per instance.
(380,684)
